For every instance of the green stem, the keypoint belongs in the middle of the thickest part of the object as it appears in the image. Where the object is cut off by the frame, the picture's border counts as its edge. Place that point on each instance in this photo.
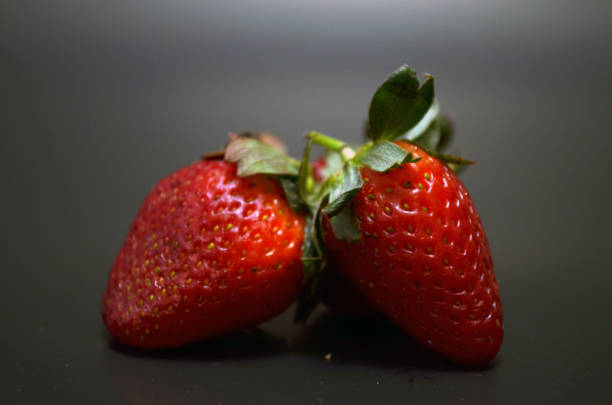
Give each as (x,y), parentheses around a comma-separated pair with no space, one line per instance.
(305,177)
(333,144)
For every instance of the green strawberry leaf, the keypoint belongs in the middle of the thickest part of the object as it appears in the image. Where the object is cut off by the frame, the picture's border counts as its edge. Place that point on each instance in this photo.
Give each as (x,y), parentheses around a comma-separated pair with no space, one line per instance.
(385,155)
(312,251)
(399,104)
(292,194)
(305,180)
(314,261)
(433,132)
(256,157)
(426,131)
(345,188)
(345,225)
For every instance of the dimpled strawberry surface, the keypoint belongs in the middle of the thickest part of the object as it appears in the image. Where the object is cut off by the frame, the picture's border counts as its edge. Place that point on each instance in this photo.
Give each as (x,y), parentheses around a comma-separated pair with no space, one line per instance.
(424,259)
(208,253)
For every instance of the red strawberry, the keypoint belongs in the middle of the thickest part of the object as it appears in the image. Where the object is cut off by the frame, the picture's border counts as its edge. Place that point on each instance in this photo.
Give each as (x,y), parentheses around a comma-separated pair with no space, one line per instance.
(337,292)
(424,259)
(208,253)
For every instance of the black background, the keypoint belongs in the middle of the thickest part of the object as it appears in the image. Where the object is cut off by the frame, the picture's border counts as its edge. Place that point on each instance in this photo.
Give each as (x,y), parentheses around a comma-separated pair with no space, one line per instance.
(99,100)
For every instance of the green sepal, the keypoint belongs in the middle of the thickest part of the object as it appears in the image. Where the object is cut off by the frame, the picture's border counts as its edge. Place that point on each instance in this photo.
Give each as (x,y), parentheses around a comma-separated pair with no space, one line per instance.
(313,254)
(345,225)
(343,189)
(433,132)
(312,251)
(256,157)
(305,180)
(427,131)
(292,194)
(399,104)
(455,162)
(314,261)
(385,155)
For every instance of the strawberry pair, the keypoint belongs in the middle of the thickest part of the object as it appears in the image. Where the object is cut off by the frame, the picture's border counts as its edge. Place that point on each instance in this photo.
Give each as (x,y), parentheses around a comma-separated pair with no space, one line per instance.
(231,241)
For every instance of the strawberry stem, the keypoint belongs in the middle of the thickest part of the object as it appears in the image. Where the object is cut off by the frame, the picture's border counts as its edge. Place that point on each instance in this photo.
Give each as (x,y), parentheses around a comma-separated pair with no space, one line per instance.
(333,144)
(305,181)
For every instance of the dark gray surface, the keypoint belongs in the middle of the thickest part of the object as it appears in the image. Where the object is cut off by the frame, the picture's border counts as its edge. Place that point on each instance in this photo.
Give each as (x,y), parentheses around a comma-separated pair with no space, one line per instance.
(98,101)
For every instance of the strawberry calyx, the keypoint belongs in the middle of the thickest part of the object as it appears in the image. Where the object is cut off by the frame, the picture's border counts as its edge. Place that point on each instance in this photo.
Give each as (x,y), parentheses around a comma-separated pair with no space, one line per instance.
(255,156)
(265,154)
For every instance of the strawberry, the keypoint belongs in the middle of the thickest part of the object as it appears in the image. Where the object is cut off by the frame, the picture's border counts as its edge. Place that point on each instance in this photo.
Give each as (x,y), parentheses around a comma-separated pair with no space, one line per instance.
(397,222)
(337,292)
(209,253)
(424,260)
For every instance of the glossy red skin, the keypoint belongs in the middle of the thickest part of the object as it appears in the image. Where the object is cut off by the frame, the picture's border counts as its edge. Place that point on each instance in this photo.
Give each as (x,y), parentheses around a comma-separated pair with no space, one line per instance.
(184,274)
(424,259)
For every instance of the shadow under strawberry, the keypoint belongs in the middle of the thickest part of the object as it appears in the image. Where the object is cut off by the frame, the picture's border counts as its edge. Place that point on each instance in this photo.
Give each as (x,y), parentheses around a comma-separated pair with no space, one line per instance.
(371,342)
(351,340)
(242,345)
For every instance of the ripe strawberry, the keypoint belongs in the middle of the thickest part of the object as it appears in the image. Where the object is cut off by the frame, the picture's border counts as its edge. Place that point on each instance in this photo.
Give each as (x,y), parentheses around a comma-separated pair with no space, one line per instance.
(397,222)
(208,253)
(424,259)
(337,292)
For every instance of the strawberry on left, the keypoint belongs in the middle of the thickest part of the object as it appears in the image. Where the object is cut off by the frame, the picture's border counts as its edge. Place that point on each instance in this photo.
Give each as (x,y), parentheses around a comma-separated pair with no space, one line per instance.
(216,247)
